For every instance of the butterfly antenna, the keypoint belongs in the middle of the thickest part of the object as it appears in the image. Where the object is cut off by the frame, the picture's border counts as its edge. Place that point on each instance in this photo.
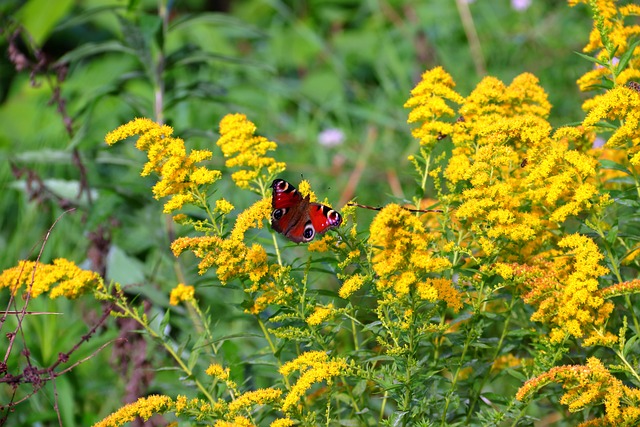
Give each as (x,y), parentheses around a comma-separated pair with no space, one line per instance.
(379,208)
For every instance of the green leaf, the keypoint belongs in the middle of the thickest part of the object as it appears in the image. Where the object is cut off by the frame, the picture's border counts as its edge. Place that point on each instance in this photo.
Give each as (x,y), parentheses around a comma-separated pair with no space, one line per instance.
(90,49)
(624,59)
(67,400)
(195,352)
(611,165)
(496,398)
(165,321)
(630,347)
(39,17)
(86,16)
(591,59)
(68,190)
(612,235)
(216,19)
(122,268)
(201,57)
(151,29)
(135,39)
(516,374)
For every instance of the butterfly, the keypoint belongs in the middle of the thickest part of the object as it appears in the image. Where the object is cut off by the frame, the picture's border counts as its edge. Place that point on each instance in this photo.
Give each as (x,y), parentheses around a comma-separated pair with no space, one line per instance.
(298,219)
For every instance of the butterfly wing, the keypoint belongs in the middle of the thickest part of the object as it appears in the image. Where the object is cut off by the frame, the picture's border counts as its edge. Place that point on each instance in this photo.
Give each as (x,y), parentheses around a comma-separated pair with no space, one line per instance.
(323,217)
(296,218)
(290,211)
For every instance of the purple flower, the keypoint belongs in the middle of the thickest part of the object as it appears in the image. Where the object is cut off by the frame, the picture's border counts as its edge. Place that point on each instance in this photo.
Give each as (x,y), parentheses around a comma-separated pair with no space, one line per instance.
(331,137)
(520,5)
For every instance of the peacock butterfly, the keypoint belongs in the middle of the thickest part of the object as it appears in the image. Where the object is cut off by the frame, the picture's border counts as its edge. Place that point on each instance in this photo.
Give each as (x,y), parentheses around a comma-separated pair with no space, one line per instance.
(296,217)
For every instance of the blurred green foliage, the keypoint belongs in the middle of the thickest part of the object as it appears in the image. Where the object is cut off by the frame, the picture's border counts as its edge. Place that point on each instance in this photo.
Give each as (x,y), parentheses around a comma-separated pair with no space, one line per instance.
(295,68)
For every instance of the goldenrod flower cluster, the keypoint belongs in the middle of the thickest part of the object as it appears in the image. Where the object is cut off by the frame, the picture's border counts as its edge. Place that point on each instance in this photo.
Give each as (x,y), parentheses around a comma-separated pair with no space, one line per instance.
(226,414)
(429,103)
(320,314)
(591,385)
(351,285)
(562,181)
(232,258)
(566,293)
(497,123)
(314,367)
(618,105)
(38,278)
(179,174)
(181,293)
(238,421)
(244,149)
(248,399)
(278,289)
(219,372)
(145,408)
(403,257)
(510,180)
(612,31)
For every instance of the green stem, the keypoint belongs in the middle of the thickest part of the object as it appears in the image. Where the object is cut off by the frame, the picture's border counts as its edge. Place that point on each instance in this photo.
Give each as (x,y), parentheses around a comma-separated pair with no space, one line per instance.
(425,175)
(169,348)
(382,406)
(271,346)
(455,380)
(630,368)
(614,263)
(277,248)
(505,330)
(202,325)
(356,344)
(469,336)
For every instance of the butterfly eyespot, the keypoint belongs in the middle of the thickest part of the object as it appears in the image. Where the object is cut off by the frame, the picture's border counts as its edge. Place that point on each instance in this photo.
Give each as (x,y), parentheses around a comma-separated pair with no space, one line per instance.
(309,232)
(278,213)
(280,185)
(334,217)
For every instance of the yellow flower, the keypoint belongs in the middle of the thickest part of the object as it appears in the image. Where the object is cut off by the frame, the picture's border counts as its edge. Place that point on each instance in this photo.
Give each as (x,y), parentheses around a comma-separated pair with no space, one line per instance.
(401,250)
(613,30)
(429,105)
(320,315)
(232,257)
(40,278)
(144,407)
(351,285)
(179,174)
(567,295)
(587,386)
(446,292)
(323,244)
(251,218)
(282,422)
(278,290)
(223,206)
(244,149)
(261,396)
(505,361)
(238,421)
(217,371)
(619,104)
(181,293)
(314,367)
(305,190)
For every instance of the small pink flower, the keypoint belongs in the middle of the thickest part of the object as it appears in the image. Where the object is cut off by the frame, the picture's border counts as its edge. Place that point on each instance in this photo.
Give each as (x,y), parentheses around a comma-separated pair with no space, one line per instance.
(331,137)
(520,5)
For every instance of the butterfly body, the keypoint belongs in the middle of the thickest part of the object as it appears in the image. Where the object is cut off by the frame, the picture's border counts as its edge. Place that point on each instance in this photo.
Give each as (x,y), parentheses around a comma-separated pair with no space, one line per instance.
(296,217)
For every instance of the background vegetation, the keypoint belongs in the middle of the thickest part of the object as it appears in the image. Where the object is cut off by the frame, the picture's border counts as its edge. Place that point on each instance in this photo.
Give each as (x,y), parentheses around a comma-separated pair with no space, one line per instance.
(76,70)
